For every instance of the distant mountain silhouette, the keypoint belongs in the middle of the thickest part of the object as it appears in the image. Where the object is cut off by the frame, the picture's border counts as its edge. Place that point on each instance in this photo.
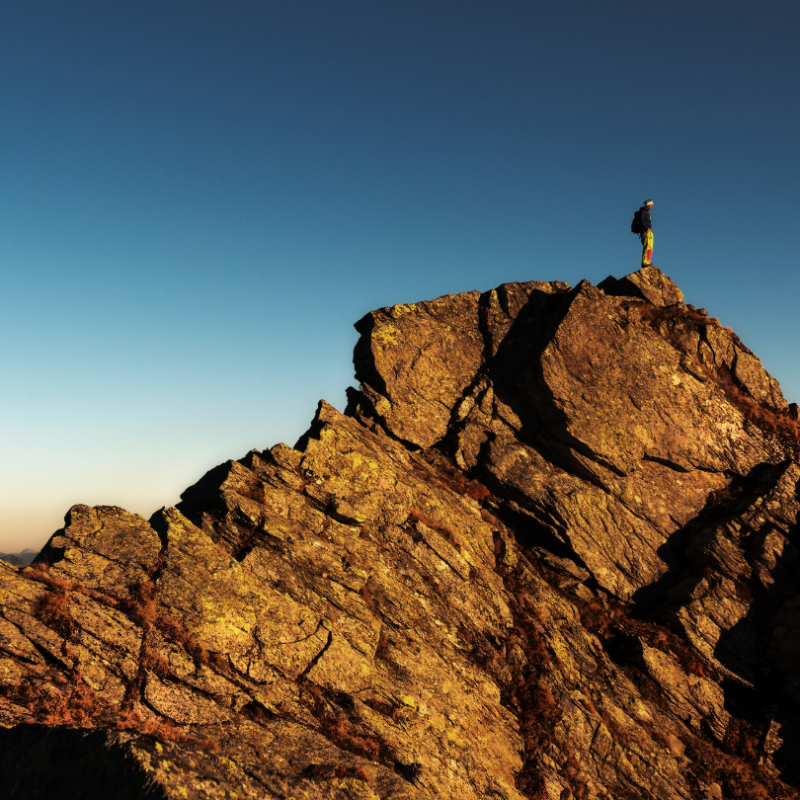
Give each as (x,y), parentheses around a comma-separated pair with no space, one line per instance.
(22,559)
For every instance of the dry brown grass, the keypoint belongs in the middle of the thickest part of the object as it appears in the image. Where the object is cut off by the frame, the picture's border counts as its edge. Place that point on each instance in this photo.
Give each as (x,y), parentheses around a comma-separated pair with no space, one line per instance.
(767,419)
(736,766)
(255,493)
(660,738)
(739,779)
(336,726)
(449,477)
(79,706)
(678,326)
(165,730)
(673,320)
(367,597)
(442,530)
(526,694)
(53,610)
(478,492)
(618,733)
(153,662)
(170,627)
(220,662)
(571,770)
(141,608)
(359,773)
(597,618)
(383,641)
(75,704)
(198,653)
(98,596)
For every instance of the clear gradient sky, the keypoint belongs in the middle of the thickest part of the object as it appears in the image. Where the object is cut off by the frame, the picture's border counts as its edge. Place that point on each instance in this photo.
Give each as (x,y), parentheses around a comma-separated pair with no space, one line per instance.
(200,198)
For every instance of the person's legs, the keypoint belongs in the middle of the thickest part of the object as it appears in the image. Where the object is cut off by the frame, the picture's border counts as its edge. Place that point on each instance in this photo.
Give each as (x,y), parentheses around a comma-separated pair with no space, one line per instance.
(647,247)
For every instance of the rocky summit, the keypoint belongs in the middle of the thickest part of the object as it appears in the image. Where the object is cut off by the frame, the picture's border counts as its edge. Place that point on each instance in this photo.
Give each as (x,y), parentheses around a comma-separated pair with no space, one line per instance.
(549,550)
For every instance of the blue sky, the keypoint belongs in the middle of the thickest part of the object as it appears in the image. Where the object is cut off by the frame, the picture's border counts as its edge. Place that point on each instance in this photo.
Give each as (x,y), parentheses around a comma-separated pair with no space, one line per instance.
(199,199)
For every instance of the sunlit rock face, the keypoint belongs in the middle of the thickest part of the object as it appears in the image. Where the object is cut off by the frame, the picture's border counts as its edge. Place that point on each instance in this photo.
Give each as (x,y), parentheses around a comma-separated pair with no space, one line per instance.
(548,551)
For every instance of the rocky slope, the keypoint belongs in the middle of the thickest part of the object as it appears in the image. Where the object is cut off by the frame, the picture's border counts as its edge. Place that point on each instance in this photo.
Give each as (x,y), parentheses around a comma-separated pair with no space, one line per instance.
(548,551)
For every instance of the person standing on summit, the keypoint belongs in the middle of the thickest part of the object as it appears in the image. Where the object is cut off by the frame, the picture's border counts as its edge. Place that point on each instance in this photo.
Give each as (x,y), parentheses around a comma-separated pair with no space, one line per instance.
(646,232)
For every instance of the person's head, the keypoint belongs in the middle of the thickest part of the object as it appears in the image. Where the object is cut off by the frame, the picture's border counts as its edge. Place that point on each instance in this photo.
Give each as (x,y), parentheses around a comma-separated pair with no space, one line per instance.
(648,204)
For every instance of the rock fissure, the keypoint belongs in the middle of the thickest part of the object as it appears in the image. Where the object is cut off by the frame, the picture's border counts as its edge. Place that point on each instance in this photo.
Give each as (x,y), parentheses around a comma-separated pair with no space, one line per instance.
(318,656)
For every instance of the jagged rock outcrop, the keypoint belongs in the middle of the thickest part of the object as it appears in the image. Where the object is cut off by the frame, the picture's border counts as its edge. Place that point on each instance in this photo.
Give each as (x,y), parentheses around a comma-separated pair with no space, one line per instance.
(548,551)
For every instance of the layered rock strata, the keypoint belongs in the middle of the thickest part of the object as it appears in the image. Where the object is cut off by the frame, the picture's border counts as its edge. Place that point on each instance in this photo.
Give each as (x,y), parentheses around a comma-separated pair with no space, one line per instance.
(550,550)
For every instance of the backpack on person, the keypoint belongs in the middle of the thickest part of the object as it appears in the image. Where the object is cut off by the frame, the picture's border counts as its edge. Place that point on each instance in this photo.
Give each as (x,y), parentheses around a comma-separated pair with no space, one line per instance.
(636,225)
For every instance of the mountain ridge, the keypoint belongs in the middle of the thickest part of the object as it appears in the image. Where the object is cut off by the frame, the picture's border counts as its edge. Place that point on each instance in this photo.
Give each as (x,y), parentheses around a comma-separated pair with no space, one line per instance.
(549,550)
